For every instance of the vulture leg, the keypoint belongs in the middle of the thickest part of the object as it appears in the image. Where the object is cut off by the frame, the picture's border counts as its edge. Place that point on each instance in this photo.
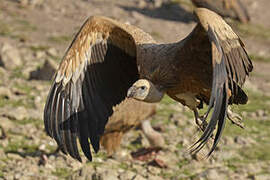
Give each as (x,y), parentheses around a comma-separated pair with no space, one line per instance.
(4,135)
(155,139)
(235,118)
(200,120)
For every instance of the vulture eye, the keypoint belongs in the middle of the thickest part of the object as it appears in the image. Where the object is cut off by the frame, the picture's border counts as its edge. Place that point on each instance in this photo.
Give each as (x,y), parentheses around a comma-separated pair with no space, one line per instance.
(143,87)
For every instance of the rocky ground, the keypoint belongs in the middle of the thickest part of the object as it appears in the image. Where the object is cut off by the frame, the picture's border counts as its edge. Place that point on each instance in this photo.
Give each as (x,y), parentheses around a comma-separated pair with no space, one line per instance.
(33,37)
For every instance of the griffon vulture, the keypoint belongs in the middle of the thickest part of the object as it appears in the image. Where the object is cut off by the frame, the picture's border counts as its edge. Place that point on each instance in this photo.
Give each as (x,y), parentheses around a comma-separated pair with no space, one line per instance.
(109,61)
(226,8)
(128,114)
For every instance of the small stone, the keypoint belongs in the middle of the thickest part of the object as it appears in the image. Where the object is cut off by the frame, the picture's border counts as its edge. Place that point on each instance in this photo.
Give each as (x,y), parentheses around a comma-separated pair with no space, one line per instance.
(14,156)
(157,3)
(260,113)
(139,177)
(5,92)
(213,174)
(18,113)
(110,174)
(141,4)
(127,175)
(52,52)
(17,176)
(40,54)
(2,154)
(228,141)
(262,177)
(239,140)
(52,158)
(45,72)
(31,3)
(42,147)
(151,177)
(10,57)
(154,170)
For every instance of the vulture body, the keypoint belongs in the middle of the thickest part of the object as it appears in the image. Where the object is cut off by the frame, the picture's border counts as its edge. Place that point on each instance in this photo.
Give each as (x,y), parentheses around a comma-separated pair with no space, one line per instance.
(226,8)
(109,61)
(128,114)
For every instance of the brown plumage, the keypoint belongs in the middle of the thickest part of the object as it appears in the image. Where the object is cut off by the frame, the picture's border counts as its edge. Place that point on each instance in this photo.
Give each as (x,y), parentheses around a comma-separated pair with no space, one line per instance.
(108,61)
(226,8)
(127,115)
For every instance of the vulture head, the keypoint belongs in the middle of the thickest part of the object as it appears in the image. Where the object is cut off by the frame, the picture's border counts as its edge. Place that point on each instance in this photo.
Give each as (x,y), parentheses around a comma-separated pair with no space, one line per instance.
(144,90)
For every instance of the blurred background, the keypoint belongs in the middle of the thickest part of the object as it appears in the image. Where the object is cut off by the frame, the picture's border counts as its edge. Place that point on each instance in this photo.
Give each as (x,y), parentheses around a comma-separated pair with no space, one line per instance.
(34,35)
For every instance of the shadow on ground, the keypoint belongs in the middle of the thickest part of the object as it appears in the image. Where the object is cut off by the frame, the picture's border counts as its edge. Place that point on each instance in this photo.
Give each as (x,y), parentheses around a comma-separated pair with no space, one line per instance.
(171,12)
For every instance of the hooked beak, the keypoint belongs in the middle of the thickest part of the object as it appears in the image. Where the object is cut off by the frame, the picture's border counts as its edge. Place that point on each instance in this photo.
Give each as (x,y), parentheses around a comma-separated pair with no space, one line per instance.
(131,91)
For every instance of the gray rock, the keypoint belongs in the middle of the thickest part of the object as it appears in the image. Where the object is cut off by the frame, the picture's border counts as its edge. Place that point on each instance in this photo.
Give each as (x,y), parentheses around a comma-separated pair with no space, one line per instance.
(157,3)
(139,177)
(5,92)
(17,176)
(154,170)
(10,57)
(260,113)
(14,156)
(141,3)
(18,113)
(240,140)
(45,72)
(151,177)
(127,175)
(210,174)
(110,174)
(262,177)
(213,174)
(40,54)
(2,155)
(31,3)
(52,52)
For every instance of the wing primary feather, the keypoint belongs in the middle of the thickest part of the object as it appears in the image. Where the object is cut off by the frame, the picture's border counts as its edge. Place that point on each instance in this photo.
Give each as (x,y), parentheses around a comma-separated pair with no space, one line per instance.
(54,118)
(47,110)
(92,125)
(59,122)
(74,119)
(218,95)
(84,124)
(221,121)
(66,126)
(75,133)
(83,134)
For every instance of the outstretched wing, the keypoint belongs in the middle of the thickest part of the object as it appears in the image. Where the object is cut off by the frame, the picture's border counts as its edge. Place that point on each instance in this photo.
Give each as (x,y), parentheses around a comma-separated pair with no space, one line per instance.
(221,64)
(226,8)
(94,76)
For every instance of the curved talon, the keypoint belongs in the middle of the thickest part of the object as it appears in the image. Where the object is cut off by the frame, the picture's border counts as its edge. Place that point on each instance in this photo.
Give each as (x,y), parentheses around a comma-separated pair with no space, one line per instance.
(200,120)
(235,118)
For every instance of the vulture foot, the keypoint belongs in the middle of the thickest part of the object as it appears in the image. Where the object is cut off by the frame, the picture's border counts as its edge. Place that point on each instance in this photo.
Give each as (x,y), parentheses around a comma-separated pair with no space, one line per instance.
(200,120)
(235,118)
(155,138)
